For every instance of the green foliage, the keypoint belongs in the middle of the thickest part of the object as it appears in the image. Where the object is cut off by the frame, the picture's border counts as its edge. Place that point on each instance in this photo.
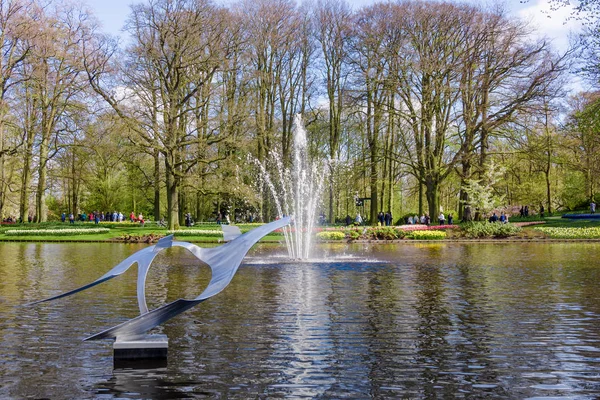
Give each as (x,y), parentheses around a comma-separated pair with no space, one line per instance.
(387,233)
(571,233)
(427,235)
(487,229)
(331,235)
(353,234)
(481,192)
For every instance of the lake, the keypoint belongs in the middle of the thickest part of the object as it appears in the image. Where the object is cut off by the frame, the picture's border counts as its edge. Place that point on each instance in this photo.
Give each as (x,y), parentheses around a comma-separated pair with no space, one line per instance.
(409,321)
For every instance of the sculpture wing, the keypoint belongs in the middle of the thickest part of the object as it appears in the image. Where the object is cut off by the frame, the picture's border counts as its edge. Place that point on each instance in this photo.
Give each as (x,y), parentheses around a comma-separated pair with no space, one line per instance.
(223,261)
(145,322)
(143,256)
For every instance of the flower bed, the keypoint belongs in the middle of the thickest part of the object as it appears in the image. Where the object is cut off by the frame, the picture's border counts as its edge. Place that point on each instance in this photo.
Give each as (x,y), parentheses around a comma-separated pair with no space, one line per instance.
(419,227)
(571,233)
(55,232)
(331,235)
(196,232)
(427,235)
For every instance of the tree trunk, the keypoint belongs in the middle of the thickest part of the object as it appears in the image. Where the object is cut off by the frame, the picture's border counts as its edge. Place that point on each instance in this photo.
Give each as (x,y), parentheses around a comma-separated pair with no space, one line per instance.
(25,178)
(373,186)
(331,193)
(157,215)
(40,204)
(2,171)
(172,199)
(433,198)
(420,199)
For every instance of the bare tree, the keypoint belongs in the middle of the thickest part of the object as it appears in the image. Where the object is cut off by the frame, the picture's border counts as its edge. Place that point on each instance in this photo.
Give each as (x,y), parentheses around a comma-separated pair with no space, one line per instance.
(333,22)
(56,82)
(432,53)
(505,73)
(175,53)
(17,28)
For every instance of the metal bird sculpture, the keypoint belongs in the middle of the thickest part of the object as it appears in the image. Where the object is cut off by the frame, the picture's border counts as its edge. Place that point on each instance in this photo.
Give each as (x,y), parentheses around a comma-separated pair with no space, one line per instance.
(223,261)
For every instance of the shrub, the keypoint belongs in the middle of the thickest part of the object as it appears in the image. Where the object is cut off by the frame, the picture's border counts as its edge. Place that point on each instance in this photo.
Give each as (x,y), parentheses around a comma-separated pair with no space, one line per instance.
(487,229)
(353,234)
(331,235)
(428,235)
(384,233)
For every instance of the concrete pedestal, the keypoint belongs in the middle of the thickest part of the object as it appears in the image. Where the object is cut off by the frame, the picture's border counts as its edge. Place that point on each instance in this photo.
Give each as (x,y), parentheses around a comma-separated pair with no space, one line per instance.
(144,351)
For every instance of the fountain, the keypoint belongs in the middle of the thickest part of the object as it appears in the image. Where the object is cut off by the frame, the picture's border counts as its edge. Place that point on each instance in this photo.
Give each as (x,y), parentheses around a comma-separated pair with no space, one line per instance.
(301,189)
(299,193)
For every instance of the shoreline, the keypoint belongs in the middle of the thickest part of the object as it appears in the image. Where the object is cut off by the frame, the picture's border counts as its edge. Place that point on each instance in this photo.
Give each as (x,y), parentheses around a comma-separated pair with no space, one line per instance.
(363,241)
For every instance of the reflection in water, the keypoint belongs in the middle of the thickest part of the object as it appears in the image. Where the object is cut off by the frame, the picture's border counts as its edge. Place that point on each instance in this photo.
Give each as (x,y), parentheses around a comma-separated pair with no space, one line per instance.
(391,321)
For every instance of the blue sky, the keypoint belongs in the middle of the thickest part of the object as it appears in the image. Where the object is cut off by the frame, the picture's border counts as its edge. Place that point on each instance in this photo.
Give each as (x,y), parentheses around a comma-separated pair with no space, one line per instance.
(113,13)
(553,25)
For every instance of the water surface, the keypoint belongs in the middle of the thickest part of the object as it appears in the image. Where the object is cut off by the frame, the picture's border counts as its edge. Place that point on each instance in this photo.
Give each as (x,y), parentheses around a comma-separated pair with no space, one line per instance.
(427,321)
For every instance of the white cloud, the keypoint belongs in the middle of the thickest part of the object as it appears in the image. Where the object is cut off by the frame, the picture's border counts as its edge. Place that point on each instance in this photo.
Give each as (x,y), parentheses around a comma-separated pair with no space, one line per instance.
(555,25)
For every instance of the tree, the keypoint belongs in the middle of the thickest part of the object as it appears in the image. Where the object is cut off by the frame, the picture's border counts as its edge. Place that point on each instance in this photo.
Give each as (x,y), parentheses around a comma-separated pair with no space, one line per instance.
(373,31)
(174,55)
(18,21)
(433,50)
(583,139)
(506,74)
(56,82)
(482,194)
(333,21)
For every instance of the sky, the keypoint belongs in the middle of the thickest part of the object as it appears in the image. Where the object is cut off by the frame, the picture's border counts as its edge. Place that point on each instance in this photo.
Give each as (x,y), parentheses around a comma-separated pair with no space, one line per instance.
(113,13)
(551,24)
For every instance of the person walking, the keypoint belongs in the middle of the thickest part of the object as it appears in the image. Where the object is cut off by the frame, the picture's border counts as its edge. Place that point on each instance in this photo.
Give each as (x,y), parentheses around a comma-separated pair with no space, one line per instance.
(358,220)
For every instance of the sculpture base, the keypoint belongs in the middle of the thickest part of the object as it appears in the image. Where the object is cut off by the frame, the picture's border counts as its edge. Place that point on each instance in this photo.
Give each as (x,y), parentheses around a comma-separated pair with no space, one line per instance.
(144,351)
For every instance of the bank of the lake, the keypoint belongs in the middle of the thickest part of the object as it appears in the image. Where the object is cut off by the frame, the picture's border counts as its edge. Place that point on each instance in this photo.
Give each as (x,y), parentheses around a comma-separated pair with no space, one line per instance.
(210,233)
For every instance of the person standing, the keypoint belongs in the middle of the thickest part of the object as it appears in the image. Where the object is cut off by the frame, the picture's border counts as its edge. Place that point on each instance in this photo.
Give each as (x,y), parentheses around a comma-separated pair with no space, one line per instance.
(593,207)
(441,218)
(358,220)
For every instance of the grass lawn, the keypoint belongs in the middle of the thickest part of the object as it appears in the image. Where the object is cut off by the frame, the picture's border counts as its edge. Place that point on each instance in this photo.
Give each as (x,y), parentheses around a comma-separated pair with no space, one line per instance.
(557,222)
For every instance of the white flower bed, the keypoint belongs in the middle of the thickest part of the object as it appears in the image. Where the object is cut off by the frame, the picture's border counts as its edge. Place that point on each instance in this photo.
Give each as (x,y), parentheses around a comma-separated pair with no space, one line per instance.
(55,232)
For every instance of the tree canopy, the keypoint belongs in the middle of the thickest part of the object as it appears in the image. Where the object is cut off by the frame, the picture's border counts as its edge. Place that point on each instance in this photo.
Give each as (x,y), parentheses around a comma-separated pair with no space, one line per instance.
(410,101)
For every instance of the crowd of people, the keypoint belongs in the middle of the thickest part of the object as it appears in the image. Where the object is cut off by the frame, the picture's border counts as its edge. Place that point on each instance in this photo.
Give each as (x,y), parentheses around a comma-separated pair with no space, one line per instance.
(98,217)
